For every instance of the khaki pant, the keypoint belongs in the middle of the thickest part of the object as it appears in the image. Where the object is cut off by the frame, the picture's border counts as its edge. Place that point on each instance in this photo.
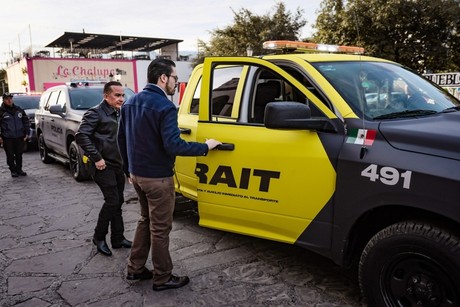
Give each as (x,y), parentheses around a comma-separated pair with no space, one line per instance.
(156,198)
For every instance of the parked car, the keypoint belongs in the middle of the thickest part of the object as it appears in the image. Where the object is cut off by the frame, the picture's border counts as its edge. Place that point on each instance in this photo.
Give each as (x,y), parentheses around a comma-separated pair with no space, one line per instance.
(29,103)
(57,119)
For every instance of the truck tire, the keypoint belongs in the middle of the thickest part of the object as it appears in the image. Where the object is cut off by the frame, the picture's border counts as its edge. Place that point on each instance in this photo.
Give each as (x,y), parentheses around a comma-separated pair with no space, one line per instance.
(411,264)
(78,169)
(43,150)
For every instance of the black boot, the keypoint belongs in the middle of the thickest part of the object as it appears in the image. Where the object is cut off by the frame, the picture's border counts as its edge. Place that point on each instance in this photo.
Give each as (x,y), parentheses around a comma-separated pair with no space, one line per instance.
(102,247)
(123,243)
(21,173)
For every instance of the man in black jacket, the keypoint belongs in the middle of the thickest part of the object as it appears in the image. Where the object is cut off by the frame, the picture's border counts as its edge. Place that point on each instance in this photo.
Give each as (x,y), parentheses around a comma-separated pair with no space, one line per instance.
(14,129)
(97,136)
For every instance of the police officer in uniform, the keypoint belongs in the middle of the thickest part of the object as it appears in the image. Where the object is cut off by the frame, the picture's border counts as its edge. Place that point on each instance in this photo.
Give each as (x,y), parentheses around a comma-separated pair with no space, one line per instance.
(14,128)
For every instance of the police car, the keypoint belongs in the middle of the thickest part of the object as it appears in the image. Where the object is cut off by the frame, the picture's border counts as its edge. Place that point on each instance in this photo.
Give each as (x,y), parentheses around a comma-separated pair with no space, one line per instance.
(354,157)
(60,112)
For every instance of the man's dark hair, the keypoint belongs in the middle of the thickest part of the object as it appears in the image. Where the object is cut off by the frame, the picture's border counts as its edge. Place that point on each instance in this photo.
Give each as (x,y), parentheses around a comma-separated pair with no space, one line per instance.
(158,67)
(108,86)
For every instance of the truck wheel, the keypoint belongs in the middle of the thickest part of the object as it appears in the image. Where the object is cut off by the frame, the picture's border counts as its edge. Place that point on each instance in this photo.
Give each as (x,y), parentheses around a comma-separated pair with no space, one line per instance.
(411,264)
(78,169)
(43,150)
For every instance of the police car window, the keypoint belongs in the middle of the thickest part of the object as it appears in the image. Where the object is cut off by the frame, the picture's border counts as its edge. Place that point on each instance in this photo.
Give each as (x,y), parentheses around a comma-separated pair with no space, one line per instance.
(62,100)
(44,100)
(85,98)
(53,97)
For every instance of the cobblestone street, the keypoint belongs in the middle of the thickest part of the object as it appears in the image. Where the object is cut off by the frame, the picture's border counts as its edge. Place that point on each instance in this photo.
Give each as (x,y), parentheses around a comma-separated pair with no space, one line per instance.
(47,257)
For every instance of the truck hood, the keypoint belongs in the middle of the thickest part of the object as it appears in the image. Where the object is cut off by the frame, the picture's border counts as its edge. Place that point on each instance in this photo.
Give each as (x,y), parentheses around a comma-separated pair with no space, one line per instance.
(437,135)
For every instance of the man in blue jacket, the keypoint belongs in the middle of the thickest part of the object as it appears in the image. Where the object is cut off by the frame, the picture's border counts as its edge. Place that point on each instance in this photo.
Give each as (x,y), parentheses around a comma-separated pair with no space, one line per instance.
(14,129)
(149,140)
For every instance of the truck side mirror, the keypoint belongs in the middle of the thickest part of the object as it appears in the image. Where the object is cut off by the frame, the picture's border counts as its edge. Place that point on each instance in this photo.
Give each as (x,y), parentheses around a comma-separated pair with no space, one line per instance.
(294,115)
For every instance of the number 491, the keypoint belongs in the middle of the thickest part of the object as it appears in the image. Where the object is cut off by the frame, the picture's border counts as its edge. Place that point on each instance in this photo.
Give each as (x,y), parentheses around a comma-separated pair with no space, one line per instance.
(387,175)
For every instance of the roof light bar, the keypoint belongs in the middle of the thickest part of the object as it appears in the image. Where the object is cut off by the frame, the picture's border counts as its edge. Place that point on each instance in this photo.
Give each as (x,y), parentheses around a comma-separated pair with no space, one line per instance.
(308,47)
(83,82)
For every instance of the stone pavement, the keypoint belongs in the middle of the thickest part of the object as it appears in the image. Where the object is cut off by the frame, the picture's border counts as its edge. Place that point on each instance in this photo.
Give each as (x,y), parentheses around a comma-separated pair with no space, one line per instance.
(47,257)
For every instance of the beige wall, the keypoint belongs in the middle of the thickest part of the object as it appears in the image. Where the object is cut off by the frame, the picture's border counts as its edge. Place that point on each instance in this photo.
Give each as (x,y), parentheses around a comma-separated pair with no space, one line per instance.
(18,79)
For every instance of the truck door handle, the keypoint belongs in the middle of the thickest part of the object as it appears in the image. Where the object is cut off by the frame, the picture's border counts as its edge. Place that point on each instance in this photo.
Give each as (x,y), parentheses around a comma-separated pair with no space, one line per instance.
(226,146)
(185,130)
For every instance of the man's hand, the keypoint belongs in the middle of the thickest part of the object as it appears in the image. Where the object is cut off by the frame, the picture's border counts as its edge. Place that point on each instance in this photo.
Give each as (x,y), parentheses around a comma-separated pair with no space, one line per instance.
(212,143)
(100,165)
(26,138)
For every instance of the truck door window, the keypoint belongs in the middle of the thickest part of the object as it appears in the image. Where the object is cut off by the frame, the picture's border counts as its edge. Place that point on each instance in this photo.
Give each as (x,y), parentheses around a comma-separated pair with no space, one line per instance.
(302,78)
(270,87)
(196,99)
(268,90)
(224,85)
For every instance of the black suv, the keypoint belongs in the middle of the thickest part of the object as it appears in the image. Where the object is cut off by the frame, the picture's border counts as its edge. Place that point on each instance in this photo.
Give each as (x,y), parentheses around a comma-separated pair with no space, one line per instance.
(57,120)
(29,103)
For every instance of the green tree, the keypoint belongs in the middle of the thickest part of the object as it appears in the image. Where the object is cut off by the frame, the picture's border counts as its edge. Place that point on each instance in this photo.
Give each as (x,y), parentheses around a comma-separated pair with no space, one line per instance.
(250,30)
(421,34)
(330,22)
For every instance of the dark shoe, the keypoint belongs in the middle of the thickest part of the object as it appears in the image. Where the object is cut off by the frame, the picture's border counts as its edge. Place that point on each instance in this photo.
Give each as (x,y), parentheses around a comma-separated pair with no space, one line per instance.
(102,247)
(21,173)
(124,243)
(173,283)
(144,275)
(14,174)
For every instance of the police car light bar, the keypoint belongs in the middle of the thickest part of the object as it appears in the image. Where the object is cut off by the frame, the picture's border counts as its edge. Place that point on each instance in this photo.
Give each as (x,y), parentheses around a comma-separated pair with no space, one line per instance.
(77,83)
(308,47)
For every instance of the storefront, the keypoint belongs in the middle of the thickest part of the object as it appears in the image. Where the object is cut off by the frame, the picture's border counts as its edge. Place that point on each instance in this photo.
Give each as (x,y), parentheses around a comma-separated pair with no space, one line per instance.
(37,74)
(449,81)
(92,57)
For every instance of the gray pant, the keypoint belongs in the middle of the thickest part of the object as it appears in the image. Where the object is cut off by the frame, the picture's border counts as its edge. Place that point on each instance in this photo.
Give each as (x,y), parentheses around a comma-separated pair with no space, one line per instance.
(156,198)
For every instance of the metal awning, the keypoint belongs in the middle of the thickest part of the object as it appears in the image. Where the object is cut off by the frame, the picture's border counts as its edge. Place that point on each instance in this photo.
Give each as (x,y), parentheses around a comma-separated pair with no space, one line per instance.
(108,43)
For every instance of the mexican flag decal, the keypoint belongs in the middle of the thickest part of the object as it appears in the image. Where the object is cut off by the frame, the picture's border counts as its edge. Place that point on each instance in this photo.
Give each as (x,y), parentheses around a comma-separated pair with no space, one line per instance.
(361,136)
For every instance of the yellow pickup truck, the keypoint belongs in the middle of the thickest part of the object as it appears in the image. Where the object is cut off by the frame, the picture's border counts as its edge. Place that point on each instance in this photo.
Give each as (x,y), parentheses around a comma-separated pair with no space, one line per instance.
(353,157)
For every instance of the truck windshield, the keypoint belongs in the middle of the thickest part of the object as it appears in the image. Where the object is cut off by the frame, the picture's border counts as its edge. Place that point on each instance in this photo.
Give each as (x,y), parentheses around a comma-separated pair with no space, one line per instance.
(379,90)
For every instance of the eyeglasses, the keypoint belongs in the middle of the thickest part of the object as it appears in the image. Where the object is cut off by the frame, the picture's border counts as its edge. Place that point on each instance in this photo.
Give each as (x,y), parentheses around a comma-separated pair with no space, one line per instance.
(175,77)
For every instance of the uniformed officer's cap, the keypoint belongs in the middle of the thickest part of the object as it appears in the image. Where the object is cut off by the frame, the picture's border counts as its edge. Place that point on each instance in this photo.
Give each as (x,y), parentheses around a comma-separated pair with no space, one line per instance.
(7,95)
